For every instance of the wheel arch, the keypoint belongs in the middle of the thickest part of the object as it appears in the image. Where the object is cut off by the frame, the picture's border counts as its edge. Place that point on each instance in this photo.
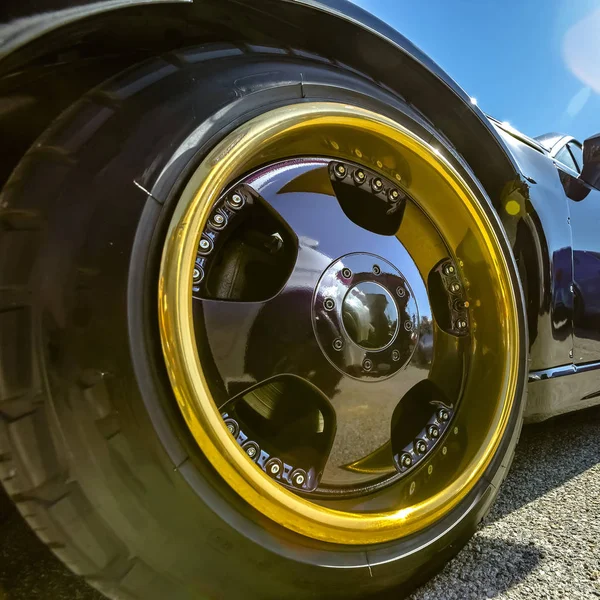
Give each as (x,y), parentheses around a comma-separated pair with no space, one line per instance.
(112,35)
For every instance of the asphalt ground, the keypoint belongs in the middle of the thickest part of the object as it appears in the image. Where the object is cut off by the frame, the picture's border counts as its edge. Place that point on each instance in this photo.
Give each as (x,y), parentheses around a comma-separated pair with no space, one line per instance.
(540,541)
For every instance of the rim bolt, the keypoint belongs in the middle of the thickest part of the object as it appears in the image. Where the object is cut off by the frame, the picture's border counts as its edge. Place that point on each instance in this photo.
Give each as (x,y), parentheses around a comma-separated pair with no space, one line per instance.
(461,324)
(338,344)
(408,325)
(236,200)
(329,303)
(454,288)
(420,446)
(274,468)
(359,176)
(406,460)
(340,170)
(197,274)
(433,431)
(232,427)
(367,364)
(377,269)
(400,291)
(204,244)
(394,195)
(443,415)
(346,273)
(218,220)
(449,269)
(377,184)
(298,479)
(251,451)
(395,355)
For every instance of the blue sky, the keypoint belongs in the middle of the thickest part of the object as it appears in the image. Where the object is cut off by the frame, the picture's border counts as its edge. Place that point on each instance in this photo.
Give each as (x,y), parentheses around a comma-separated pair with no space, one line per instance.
(533,63)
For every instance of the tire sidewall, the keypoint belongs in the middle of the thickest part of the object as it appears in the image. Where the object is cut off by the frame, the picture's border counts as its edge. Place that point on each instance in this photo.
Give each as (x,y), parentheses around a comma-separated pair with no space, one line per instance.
(396,561)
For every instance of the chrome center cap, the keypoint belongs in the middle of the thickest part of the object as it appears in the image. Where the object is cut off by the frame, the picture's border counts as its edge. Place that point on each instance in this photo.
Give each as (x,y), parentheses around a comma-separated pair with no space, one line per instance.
(365,316)
(370,316)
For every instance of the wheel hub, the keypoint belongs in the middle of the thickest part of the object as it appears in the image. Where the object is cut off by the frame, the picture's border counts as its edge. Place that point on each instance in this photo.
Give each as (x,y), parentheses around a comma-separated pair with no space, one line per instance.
(365,317)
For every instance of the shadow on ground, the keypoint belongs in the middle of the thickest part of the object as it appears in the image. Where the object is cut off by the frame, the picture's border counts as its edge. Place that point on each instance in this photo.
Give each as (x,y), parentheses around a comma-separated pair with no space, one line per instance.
(549,454)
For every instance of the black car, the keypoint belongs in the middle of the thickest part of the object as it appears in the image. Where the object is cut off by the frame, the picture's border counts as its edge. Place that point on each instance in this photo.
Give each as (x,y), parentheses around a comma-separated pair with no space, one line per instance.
(276,297)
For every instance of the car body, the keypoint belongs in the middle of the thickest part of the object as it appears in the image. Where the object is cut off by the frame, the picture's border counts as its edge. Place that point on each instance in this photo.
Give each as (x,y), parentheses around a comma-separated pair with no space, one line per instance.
(570,268)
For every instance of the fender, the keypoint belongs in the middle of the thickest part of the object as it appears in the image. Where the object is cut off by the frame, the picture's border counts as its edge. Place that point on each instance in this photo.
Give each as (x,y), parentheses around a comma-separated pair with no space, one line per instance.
(372,47)
(135,29)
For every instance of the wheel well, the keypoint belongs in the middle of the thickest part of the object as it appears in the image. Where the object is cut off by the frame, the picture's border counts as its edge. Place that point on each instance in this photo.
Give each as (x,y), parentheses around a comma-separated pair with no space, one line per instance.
(41,78)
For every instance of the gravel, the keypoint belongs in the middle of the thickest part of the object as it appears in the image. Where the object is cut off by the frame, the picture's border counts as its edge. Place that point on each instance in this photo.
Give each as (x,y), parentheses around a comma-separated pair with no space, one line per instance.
(540,541)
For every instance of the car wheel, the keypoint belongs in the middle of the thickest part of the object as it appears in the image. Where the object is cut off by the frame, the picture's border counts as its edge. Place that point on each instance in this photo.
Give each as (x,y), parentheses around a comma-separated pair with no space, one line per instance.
(261,333)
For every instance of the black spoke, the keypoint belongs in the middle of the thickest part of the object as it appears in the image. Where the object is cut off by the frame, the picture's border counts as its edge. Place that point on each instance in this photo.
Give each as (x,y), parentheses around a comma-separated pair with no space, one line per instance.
(250,342)
(306,195)
(364,414)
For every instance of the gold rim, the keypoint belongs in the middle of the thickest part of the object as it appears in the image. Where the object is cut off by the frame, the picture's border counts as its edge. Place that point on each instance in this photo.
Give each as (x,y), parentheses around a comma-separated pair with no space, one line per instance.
(425,173)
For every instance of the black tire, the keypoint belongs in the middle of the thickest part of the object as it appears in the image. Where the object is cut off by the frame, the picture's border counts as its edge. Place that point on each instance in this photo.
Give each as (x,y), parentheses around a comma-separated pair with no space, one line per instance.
(93,449)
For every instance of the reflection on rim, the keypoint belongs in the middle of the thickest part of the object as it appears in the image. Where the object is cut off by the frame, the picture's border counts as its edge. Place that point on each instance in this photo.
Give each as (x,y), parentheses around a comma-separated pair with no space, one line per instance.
(430,237)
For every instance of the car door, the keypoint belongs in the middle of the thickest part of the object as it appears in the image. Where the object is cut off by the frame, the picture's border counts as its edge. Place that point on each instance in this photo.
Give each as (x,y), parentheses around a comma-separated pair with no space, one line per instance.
(584,209)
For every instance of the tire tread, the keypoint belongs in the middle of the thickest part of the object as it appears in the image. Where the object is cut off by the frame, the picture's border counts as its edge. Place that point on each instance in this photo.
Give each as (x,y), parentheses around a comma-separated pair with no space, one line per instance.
(33,466)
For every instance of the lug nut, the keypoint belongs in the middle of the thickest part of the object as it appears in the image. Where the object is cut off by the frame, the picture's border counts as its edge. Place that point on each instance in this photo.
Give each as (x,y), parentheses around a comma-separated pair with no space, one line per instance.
(329,303)
(420,446)
(338,344)
(433,431)
(377,269)
(408,325)
(346,273)
(394,195)
(443,415)
(340,170)
(359,176)
(454,288)
(367,364)
(449,269)
(395,355)
(406,460)
(377,184)
(236,200)
(400,291)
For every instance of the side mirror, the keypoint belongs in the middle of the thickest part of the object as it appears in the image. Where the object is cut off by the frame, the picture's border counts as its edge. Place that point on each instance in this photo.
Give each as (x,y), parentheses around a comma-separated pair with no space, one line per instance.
(590,173)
